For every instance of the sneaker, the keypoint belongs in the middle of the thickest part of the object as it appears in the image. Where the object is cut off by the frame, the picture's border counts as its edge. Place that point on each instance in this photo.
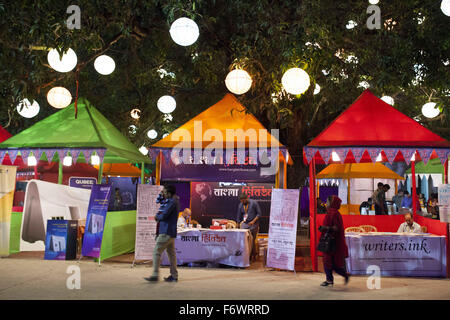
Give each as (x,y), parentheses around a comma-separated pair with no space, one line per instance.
(152,279)
(326,284)
(170,279)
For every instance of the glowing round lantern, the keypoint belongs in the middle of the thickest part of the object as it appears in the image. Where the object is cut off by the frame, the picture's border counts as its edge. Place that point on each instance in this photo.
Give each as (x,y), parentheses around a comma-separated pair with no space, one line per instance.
(143,150)
(31,161)
(238,81)
(27,109)
(104,65)
(295,81)
(429,110)
(445,7)
(135,113)
(67,161)
(166,104)
(64,64)
(95,160)
(152,134)
(59,97)
(388,100)
(316,89)
(184,31)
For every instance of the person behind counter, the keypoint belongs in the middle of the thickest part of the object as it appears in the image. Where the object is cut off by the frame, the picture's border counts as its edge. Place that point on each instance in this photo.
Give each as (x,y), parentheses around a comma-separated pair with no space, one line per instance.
(185,218)
(365,205)
(248,217)
(409,225)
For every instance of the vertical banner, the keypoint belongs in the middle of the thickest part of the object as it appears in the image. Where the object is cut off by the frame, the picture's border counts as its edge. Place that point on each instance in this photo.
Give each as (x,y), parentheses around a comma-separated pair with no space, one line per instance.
(145,221)
(283,229)
(95,220)
(7,186)
(444,202)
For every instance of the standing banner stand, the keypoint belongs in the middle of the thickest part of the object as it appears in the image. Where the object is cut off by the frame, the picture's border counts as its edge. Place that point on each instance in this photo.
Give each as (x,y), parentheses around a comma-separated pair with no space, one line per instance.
(7,187)
(283,229)
(95,221)
(444,202)
(145,221)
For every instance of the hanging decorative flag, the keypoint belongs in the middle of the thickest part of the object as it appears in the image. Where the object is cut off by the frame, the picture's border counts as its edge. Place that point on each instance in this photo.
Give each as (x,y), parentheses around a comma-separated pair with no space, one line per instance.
(425,154)
(407,154)
(390,153)
(325,154)
(373,153)
(358,153)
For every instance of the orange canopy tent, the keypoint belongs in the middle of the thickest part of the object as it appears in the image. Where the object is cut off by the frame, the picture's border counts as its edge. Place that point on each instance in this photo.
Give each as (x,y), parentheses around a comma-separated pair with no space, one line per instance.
(226,124)
(369,128)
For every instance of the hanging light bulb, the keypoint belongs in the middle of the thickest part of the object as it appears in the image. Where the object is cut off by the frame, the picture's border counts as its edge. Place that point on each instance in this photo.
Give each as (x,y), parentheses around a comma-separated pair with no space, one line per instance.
(379,158)
(166,104)
(27,109)
(66,64)
(67,161)
(95,160)
(445,7)
(104,65)
(316,89)
(167,117)
(238,81)
(59,97)
(31,161)
(184,31)
(335,156)
(295,81)
(152,134)
(143,150)
(135,113)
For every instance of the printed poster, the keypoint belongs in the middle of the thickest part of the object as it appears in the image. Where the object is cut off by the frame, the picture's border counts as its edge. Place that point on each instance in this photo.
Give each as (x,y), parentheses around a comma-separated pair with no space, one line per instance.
(283,229)
(145,221)
(56,239)
(95,220)
(7,187)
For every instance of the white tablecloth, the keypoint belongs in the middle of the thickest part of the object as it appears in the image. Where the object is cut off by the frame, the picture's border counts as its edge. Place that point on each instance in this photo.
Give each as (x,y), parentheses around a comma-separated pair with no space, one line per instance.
(229,247)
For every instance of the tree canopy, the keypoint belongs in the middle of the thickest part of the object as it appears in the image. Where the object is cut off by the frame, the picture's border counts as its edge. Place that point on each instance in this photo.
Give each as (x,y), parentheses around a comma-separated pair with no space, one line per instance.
(407,59)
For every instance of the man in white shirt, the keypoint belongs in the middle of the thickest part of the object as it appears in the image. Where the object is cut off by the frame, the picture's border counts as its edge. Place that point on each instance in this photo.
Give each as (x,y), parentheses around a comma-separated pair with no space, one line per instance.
(184,219)
(409,225)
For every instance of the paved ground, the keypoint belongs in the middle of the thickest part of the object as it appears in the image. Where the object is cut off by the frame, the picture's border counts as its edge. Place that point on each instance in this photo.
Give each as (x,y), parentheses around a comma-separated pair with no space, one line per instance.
(34,278)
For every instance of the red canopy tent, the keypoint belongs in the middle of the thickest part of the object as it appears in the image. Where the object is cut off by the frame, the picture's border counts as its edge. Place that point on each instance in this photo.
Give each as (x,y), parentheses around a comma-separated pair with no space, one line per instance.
(366,129)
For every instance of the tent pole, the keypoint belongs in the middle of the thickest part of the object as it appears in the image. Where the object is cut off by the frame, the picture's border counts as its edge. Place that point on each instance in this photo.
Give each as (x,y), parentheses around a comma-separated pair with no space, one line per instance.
(446,171)
(60,172)
(312,214)
(142,172)
(348,195)
(413,191)
(158,168)
(100,173)
(396,187)
(285,174)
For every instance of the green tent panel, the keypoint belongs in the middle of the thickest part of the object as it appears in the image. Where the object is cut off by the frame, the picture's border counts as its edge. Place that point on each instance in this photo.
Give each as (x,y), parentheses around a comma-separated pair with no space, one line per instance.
(432,166)
(90,130)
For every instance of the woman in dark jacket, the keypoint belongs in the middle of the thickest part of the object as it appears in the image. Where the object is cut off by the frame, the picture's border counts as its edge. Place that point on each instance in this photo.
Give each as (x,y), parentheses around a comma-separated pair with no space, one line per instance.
(336,260)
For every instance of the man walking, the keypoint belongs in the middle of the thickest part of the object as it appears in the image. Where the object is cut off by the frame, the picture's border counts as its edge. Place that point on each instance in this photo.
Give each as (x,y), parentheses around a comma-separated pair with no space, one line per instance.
(166,233)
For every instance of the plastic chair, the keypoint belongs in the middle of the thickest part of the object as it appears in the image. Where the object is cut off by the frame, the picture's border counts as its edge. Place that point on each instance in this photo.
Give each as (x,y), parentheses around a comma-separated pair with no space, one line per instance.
(354,229)
(368,228)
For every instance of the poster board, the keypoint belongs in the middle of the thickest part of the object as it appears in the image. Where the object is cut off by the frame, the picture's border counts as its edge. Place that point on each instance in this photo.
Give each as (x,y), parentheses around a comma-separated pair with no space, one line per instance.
(444,202)
(283,229)
(147,209)
(7,187)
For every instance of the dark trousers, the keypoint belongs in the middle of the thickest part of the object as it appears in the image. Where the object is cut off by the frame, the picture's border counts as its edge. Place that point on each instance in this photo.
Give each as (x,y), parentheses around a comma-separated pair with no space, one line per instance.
(339,270)
(378,210)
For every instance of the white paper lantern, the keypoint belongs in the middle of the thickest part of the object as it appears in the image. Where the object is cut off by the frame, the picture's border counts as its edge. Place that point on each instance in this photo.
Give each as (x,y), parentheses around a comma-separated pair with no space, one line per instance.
(31,161)
(388,100)
(316,89)
(152,134)
(165,135)
(238,81)
(184,31)
(374,1)
(166,104)
(95,160)
(445,7)
(351,24)
(135,113)
(27,109)
(66,64)
(67,161)
(429,110)
(59,97)
(295,81)
(104,65)
(143,150)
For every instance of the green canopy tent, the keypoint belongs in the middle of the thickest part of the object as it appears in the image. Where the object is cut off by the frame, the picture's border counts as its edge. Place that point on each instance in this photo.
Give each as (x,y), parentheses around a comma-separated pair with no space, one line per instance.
(90,133)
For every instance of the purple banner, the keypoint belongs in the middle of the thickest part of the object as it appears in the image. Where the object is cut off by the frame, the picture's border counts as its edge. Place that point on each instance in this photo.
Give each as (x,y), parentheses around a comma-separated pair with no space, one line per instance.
(95,220)
(82,182)
(397,254)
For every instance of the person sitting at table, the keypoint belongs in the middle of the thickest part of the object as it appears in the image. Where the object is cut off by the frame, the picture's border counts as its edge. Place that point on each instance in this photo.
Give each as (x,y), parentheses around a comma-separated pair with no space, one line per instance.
(248,217)
(184,219)
(409,225)
(432,206)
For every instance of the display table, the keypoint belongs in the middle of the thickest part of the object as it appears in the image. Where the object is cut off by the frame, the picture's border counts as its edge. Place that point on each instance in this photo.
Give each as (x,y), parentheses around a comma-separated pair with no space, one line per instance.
(229,247)
(397,254)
